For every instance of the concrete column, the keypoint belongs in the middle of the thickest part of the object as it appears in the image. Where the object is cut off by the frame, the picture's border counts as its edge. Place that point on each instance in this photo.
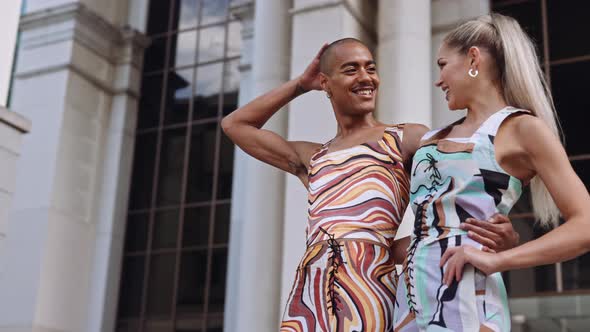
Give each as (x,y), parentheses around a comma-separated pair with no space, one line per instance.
(404,61)
(446,15)
(404,68)
(115,176)
(236,262)
(260,191)
(64,236)
(310,116)
(12,128)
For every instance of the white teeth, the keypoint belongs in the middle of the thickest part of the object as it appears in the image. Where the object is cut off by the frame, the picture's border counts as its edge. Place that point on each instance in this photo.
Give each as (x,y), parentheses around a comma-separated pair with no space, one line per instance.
(365,92)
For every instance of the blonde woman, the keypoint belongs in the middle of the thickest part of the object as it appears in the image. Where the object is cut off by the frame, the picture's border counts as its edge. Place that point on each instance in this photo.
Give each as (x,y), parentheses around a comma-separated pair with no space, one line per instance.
(479,166)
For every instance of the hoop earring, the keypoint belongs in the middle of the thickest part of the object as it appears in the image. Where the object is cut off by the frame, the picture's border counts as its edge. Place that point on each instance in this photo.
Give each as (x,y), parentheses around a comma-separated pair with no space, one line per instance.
(328,95)
(473,74)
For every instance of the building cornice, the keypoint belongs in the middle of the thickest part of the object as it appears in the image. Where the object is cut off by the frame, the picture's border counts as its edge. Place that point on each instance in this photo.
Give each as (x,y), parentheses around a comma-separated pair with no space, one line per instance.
(363,21)
(76,22)
(14,120)
(244,12)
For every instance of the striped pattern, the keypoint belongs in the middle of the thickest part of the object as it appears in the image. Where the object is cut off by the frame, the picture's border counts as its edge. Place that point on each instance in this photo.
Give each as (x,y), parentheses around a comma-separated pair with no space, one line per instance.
(360,192)
(346,279)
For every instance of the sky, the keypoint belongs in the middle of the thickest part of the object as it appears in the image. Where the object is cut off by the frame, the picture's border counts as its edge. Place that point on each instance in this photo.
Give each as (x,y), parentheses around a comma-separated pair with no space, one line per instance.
(9,15)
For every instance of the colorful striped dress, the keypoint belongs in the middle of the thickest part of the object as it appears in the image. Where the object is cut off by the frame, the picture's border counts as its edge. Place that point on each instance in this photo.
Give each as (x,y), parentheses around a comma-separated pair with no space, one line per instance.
(454,179)
(346,279)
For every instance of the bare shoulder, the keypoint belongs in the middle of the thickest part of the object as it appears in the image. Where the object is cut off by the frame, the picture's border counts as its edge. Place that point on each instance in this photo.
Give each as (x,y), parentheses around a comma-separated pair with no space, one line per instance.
(526,127)
(413,133)
(415,130)
(305,150)
(305,145)
(528,131)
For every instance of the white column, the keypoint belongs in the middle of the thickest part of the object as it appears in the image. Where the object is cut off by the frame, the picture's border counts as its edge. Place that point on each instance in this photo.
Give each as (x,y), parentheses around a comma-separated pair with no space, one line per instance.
(115,176)
(12,128)
(446,15)
(404,61)
(64,236)
(259,193)
(244,11)
(310,116)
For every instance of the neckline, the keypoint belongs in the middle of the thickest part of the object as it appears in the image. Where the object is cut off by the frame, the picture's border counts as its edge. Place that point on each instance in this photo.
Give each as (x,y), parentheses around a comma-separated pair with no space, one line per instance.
(476,130)
(326,145)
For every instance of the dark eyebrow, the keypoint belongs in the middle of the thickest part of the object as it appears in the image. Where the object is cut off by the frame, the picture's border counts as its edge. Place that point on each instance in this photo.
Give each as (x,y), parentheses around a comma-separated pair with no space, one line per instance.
(356,64)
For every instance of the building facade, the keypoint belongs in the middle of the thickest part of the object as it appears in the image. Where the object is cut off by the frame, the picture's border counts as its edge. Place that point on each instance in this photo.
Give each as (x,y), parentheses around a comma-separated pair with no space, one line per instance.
(129,210)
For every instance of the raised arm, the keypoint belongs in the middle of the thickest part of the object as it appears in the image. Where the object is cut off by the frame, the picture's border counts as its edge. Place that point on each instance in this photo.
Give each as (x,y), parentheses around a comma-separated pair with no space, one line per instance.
(244,125)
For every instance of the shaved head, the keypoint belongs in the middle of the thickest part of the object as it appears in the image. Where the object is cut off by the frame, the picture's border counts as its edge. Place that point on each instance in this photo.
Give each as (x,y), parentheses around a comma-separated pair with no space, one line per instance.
(326,60)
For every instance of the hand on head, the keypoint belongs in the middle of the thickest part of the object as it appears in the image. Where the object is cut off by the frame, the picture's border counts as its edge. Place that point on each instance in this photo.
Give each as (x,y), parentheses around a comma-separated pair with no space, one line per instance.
(310,79)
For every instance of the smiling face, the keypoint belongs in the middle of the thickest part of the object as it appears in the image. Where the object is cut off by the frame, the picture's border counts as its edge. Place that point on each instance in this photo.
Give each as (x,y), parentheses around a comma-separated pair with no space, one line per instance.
(457,85)
(351,79)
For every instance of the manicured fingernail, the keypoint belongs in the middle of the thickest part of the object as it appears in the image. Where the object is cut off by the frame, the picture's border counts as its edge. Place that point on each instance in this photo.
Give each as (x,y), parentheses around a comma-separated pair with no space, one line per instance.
(462,226)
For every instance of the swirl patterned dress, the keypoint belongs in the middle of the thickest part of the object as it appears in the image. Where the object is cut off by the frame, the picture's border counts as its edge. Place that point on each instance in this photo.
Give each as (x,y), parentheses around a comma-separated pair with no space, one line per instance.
(454,179)
(347,278)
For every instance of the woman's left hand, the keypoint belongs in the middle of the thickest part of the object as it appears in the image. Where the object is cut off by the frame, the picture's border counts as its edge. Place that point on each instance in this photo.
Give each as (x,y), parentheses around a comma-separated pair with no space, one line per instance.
(496,234)
(455,259)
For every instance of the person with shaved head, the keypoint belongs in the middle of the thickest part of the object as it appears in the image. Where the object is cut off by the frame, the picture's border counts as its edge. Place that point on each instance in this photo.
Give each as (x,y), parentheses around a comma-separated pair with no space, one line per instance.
(358,190)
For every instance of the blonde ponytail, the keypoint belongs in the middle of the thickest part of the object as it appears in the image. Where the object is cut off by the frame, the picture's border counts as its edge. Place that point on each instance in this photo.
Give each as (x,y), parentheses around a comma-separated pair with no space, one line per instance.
(522,82)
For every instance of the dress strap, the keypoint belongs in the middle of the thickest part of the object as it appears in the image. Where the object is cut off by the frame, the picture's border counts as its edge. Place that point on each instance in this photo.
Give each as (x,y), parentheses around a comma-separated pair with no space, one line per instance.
(320,150)
(492,124)
(397,129)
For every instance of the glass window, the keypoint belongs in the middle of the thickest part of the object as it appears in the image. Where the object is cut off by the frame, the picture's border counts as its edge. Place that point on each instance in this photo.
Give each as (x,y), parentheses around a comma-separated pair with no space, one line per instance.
(191,284)
(155,55)
(142,178)
(184,46)
(159,17)
(131,286)
(165,232)
(171,166)
(160,285)
(150,102)
(570,83)
(234,39)
(582,168)
(528,14)
(187,14)
(201,163)
(221,225)
(207,90)
(225,169)
(211,43)
(568,28)
(196,226)
(137,232)
(190,78)
(217,286)
(178,97)
(214,11)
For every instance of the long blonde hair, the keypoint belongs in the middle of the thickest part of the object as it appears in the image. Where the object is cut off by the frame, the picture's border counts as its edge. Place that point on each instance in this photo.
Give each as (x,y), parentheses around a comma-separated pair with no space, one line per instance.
(522,83)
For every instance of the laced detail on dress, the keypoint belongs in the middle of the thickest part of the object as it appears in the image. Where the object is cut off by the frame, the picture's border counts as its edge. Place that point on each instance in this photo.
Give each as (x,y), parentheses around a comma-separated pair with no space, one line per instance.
(435,176)
(408,269)
(335,260)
